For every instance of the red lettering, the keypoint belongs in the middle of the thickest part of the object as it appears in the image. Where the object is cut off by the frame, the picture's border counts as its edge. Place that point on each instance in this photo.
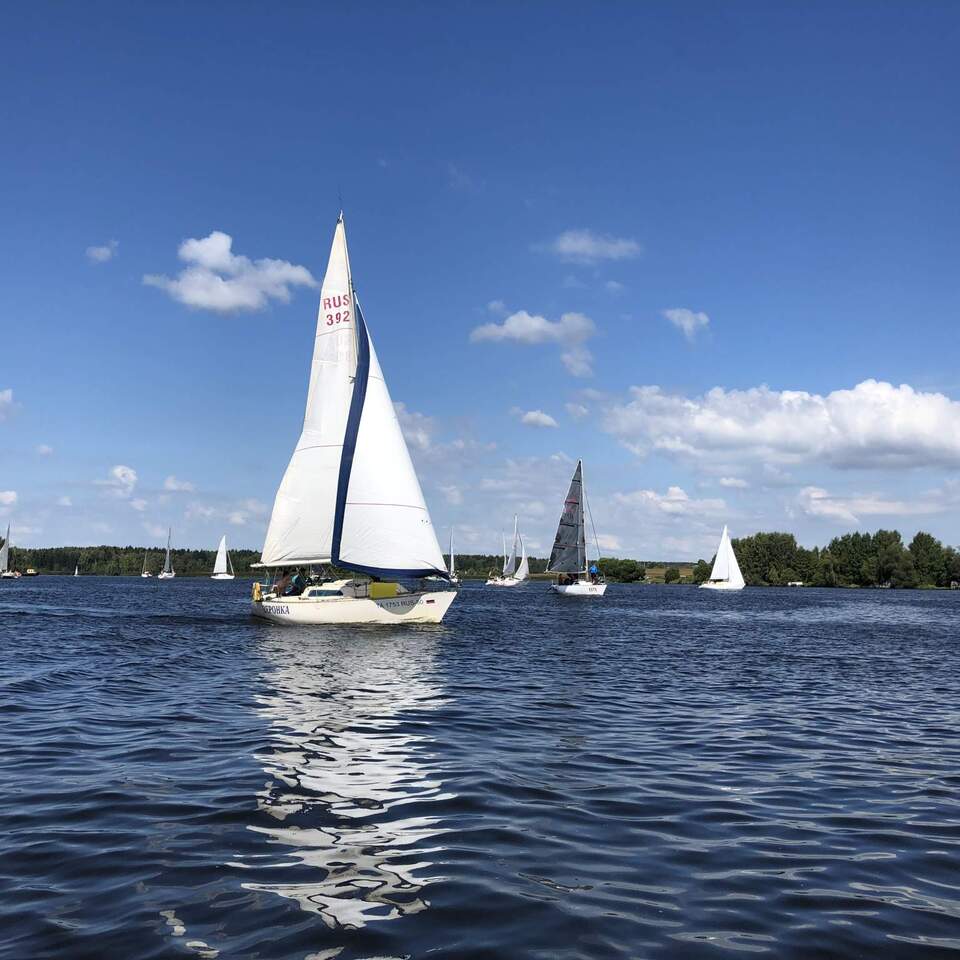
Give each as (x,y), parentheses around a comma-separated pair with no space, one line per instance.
(326,303)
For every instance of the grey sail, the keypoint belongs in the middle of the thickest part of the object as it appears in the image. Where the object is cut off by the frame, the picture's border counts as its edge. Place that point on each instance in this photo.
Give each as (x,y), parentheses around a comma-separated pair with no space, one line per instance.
(5,552)
(569,553)
(167,564)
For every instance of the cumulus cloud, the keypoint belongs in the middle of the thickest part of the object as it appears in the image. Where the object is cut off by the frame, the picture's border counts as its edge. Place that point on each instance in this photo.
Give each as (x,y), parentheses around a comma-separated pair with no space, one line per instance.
(570,332)
(139,504)
(675,502)
(120,481)
(576,410)
(608,541)
(688,322)
(238,518)
(8,498)
(587,247)
(536,418)
(872,425)
(735,483)
(6,403)
(178,486)
(453,494)
(216,278)
(64,502)
(196,509)
(44,450)
(817,502)
(417,427)
(103,254)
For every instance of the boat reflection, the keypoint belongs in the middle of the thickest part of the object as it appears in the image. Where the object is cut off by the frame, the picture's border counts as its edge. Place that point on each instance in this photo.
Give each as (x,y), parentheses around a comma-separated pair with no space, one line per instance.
(350,773)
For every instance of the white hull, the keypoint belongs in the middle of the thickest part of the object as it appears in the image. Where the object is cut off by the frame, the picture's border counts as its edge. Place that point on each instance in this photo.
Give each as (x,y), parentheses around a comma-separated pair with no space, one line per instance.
(146,575)
(9,575)
(582,588)
(222,576)
(720,585)
(428,607)
(504,582)
(165,576)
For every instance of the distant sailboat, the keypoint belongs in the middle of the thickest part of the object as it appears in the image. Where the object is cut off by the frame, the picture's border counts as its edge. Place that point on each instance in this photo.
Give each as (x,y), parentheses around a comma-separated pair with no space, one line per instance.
(568,558)
(726,573)
(5,572)
(76,570)
(144,572)
(167,573)
(350,496)
(452,565)
(223,562)
(514,572)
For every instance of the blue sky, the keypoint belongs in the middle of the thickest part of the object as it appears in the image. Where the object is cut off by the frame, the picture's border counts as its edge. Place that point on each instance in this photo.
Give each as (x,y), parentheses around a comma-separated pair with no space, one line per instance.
(716,244)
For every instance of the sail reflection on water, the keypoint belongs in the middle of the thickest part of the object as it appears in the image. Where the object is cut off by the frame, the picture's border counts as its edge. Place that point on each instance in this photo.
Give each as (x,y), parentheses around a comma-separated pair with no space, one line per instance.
(349,773)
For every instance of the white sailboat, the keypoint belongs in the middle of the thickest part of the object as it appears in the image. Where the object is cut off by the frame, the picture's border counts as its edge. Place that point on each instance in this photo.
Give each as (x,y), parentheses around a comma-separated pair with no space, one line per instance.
(223,565)
(167,573)
(144,572)
(350,496)
(568,558)
(726,573)
(514,572)
(76,570)
(452,564)
(5,572)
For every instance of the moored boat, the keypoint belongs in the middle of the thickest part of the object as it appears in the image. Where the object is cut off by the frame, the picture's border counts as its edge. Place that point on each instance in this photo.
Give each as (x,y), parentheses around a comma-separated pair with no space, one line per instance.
(515,570)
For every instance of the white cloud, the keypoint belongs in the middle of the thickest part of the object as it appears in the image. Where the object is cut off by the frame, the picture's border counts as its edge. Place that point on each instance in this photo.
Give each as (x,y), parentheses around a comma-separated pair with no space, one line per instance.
(675,501)
(614,287)
(735,483)
(873,425)
(178,486)
(687,321)
(155,529)
(64,502)
(121,481)
(139,504)
(576,410)
(570,332)
(608,541)
(252,505)
(497,306)
(453,494)
(44,450)
(8,498)
(199,510)
(6,403)
(103,254)
(536,418)
(238,518)
(417,427)
(217,279)
(817,502)
(585,246)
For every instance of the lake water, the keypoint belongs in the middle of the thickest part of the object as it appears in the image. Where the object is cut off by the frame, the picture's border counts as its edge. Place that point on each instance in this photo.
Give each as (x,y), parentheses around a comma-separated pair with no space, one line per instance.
(663,773)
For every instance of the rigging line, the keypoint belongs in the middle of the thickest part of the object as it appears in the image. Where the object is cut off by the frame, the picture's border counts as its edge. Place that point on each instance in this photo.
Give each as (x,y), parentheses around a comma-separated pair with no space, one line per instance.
(593,527)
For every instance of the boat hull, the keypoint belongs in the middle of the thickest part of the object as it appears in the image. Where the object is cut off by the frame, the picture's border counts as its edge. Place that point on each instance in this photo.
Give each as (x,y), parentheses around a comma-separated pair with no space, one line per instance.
(222,576)
(429,607)
(165,576)
(504,582)
(720,585)
(582,588)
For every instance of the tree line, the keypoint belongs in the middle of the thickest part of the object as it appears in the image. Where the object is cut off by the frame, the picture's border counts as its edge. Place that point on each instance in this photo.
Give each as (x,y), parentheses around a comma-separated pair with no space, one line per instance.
(879,559)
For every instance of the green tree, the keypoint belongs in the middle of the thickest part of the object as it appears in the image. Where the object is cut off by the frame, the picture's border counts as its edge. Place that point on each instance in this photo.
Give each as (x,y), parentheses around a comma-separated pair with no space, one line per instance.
(928,559)
(904,573)
(701,571)
(671,575)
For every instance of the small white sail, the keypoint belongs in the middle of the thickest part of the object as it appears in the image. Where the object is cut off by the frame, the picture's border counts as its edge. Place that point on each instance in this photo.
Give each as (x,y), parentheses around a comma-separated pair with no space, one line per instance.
(523,568)
(76,570)
(510,563)
(725,574)
(452,566)
(220,564)
(5,552)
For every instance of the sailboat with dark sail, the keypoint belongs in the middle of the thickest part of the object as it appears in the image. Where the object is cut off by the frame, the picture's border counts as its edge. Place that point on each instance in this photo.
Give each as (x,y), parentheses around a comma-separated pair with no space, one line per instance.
(576,577)
(167,573)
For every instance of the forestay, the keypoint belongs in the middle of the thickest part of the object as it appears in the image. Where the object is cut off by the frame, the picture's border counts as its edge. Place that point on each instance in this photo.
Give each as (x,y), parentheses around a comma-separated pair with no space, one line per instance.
(569,553)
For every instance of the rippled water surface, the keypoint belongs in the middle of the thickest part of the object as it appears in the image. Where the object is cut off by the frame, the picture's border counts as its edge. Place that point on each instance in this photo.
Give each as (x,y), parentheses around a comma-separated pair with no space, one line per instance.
(662,773)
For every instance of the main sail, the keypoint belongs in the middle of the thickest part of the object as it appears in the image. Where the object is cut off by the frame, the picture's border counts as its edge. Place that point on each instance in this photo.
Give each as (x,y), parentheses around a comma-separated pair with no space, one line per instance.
(725,566)
(510,562)
(569,553)
(350,495)
(220,564)
(167,562)
(523,568)
(5,552)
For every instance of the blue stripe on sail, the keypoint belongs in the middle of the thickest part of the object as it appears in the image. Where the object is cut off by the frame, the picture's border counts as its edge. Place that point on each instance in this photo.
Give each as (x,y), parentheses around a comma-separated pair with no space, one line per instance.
(346,464)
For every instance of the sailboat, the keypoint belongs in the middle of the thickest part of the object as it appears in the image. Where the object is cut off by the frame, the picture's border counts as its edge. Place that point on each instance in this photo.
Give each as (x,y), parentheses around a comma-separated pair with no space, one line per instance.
(5,572)
(568,558)
(223,562)
(167,573)
(514,571)
(350,496)
(726,573)
(144,572)
(76,570)
(452,564)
